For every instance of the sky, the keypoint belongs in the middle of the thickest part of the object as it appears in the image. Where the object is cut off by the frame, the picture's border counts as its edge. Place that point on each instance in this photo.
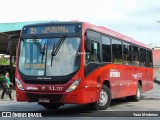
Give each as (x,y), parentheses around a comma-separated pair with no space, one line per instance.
(134,18)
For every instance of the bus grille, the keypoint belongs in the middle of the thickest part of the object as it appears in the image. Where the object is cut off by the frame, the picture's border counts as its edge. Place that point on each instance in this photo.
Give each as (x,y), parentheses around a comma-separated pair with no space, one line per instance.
(52,97)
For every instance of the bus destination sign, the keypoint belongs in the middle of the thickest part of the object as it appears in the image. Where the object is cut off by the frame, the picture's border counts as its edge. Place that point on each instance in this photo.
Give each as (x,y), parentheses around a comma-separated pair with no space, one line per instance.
(51,29)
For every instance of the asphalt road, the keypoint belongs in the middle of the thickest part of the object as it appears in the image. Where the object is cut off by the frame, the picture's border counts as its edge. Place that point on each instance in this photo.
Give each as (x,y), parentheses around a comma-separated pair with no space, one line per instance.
(150,102)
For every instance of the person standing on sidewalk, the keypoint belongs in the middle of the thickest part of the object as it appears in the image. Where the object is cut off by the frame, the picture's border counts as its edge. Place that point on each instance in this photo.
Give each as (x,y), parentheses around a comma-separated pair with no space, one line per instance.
(6,85)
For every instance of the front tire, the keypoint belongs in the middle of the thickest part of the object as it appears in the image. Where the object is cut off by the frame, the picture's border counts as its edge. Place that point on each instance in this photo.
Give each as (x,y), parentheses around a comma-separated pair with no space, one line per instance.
(104,99)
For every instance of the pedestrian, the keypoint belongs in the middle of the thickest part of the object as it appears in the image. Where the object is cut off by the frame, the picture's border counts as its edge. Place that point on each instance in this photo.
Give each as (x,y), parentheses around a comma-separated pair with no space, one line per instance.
(6,85)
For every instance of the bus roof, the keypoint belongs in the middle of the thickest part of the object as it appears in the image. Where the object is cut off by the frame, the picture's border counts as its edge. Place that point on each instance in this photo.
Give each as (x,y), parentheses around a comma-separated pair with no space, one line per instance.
(115,34)
(53,23)
(101,29)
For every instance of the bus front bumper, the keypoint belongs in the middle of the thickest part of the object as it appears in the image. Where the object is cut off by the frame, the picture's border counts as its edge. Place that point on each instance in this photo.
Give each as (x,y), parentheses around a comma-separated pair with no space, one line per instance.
(79,96)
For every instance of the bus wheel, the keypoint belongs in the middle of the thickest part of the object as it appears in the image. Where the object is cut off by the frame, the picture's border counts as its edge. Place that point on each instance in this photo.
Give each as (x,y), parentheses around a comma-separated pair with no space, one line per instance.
(51,106)
(137,97)
(104,99)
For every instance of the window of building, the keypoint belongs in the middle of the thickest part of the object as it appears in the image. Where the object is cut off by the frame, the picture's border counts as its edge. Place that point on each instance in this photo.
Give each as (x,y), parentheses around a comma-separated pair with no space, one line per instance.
(106,49)
(117,51)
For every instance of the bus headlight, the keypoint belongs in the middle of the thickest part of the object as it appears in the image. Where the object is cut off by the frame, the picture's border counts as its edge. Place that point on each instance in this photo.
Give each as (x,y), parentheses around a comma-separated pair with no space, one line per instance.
(19,85)
(74,85)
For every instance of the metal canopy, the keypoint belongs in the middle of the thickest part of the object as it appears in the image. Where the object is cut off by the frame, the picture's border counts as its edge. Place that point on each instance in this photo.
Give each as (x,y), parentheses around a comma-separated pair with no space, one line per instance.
(4,41)
(7,29)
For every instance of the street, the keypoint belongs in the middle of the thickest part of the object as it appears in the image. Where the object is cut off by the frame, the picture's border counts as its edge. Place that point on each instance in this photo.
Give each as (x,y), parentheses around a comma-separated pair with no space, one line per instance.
(150,102)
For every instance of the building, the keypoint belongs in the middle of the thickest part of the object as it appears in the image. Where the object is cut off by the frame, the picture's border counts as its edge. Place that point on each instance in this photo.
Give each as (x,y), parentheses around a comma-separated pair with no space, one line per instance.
(156,62)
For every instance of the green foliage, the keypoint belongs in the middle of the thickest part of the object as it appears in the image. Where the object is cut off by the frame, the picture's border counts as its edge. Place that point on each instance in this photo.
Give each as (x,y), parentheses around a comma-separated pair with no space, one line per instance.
(3,62)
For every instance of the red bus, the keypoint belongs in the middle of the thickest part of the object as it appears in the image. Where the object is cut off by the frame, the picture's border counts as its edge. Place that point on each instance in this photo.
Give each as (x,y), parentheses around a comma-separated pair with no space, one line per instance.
(80,63)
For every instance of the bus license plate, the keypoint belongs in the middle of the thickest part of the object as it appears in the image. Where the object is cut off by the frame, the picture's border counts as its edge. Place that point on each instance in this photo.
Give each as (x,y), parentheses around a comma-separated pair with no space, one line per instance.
(43,100)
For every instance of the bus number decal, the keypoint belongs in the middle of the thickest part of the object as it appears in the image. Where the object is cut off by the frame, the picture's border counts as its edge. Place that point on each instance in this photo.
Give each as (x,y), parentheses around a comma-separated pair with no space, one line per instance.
(55,88)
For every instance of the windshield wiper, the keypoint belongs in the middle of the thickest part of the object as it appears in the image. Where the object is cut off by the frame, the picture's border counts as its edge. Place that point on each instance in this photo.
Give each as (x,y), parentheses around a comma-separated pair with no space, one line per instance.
(41,50)
(56,47)
(53,53)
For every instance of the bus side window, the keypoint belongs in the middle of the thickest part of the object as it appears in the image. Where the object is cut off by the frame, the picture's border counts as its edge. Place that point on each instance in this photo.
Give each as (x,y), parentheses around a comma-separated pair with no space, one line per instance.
(94,55)
(117,51)
(136,56)
(143,57)
(106,49)
(127,56)
(149,59)
(95,52)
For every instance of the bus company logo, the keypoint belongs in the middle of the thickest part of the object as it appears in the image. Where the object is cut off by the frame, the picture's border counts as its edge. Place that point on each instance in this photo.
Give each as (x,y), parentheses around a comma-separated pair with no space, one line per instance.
(115,73)
(32,88)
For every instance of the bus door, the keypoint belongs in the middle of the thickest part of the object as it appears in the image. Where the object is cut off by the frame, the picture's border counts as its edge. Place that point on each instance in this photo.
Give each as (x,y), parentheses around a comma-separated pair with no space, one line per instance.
(92,62)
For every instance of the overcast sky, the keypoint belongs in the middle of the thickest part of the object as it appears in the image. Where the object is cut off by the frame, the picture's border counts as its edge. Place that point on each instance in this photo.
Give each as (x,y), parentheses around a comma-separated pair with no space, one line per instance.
(134,18)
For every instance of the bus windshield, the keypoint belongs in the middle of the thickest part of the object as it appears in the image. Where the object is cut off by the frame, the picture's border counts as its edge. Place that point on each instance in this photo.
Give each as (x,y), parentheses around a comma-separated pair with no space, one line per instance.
(36,59)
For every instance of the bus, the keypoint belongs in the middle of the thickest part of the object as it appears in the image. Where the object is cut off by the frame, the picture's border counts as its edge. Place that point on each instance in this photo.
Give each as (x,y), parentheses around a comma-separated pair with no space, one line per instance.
(80,63)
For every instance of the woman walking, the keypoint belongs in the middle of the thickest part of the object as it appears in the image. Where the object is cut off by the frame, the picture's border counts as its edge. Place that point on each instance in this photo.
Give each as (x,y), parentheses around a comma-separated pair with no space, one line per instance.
(6,85)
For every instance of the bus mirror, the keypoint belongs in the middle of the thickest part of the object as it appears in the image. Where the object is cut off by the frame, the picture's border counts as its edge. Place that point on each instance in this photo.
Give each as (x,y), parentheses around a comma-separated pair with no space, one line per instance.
(88,45)
(10,39)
